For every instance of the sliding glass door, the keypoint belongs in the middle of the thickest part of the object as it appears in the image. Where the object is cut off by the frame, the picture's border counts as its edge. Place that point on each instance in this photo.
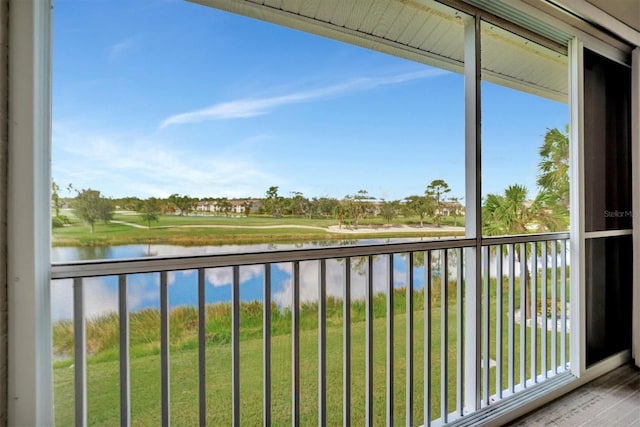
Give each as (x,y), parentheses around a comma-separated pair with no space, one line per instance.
(608,208)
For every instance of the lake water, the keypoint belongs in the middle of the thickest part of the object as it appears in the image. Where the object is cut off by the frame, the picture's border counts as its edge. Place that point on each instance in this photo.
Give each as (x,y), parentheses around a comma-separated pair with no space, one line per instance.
(101,293)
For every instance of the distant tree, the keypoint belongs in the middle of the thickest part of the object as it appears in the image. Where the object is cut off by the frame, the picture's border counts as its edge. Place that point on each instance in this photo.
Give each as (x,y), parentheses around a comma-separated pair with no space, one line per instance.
(224,205)
(246,207)
(325,206)
(174,200)
(149,210)
(356,205)
(339,211)
(437,189)
(90,207)
(420,206)
(314,208)
(389,210)
(129,203)
(273,202)
(456,208)
(55,197)
(184,204)
(299,204)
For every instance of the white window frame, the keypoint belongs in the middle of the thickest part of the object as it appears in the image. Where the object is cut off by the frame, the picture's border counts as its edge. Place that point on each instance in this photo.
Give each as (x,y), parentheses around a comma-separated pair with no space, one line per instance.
(30,383)
(30,372)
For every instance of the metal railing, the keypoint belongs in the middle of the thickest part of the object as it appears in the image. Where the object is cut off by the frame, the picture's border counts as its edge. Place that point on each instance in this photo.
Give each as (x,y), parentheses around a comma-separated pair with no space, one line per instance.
(524,328)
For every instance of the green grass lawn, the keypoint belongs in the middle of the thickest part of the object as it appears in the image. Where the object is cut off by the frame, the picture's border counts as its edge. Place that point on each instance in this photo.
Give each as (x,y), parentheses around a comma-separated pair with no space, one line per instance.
(194,230)
(103,369)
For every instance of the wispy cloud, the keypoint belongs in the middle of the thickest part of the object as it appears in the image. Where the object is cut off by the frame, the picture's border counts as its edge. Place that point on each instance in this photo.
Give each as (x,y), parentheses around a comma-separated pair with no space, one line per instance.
(120,48)
(120,164)
(102,300)
(224,276)
(251,107)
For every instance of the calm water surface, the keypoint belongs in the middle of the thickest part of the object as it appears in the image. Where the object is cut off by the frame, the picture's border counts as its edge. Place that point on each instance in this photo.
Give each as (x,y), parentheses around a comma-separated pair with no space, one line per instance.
(101,293)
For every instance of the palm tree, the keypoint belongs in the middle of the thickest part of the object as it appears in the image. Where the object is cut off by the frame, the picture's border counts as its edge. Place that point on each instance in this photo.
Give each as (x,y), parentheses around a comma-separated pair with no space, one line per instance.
(512,213)
(553,168)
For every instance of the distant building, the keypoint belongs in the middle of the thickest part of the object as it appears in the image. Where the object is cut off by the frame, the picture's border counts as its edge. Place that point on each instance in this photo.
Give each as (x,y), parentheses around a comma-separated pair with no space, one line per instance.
(234,206)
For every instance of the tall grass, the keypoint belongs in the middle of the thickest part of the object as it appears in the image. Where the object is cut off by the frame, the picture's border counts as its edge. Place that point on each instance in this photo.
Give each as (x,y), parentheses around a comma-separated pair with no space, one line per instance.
(103,333)
(103,348)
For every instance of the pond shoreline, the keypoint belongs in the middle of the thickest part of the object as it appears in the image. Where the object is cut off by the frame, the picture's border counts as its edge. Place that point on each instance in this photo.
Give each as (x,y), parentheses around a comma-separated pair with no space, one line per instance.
(219,234)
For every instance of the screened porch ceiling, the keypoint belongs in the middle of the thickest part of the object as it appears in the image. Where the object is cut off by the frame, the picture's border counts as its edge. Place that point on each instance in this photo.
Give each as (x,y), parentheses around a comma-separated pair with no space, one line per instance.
(421,31)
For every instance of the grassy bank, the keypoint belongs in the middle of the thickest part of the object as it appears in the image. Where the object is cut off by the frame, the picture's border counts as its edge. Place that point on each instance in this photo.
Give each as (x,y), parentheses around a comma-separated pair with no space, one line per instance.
(103,369)
(219,230)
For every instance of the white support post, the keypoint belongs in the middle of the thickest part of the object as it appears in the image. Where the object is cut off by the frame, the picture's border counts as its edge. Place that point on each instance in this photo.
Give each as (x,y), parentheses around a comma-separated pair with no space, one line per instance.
(577,241)
(635,170)
(473,256)
(30,383)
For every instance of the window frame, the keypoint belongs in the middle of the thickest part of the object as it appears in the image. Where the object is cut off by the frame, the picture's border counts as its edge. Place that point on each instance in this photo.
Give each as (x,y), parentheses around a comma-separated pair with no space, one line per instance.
(30,373)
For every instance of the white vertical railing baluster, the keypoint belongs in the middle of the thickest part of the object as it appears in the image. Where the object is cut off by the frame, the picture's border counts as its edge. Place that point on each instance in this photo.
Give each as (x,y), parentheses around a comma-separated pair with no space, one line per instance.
(554,306)
(543,333)
(511,324)
(460,336)
(346,342)
(322,344)
(164,349)
(444,341)
(235,344)
(499,317)
(295,346)
(266,346)
(563,308)
(125,383)
(485,325)
(202,358)
(389,350)
(428,282)
(369,345)
(80,352)
(523,315)
(409,342)
(534,312)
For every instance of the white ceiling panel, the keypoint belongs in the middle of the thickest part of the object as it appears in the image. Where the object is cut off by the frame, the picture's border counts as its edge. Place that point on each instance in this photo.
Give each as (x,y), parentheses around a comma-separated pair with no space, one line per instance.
(418,30)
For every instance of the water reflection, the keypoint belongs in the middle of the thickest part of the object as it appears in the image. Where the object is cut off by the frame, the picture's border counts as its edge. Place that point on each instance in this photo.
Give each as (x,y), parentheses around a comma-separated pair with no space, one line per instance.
(72,253)
(101,293)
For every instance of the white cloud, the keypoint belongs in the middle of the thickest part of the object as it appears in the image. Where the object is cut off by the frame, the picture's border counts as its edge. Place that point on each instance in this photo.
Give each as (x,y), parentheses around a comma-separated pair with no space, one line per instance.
(244,108)
(121,165)
(121,48)
(224,276)
(309,281)
(172,276)
(100,297)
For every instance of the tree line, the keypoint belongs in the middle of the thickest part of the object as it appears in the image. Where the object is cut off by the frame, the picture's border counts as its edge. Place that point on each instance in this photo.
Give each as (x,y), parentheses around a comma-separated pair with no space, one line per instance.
(509,213)
(90,206)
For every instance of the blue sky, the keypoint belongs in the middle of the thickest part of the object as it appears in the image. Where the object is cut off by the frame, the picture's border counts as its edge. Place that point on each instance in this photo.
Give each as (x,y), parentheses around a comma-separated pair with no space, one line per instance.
(154,97)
